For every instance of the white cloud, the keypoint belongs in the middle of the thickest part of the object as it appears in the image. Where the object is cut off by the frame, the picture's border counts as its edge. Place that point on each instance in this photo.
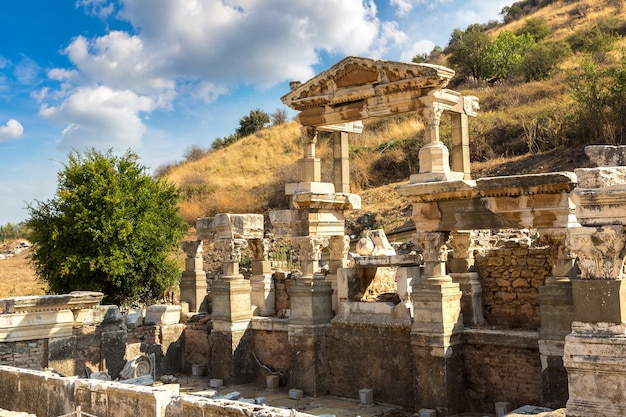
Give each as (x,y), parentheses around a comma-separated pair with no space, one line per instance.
(27,71)
(11,130)
(198,50)
(260,43)
(419,47)
(100,117)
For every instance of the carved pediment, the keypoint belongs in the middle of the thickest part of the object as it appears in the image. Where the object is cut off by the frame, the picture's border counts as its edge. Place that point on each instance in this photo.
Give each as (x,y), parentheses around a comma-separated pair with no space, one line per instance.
(364,80)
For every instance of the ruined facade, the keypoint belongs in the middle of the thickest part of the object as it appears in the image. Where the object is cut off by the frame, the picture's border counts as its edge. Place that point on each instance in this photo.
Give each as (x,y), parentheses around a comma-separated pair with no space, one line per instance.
(512,294)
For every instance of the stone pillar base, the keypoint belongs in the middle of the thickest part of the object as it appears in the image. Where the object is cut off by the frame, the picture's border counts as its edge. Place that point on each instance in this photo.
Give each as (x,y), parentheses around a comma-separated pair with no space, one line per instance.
(307,345)
(595,359)
(311,301)
(230,296)
(231,352)
(438,368)
(263,294)
(193,289)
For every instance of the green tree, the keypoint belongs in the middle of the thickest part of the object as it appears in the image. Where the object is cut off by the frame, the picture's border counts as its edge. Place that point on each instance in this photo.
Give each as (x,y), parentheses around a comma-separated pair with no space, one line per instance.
(536,27)
(503,57)
(253,122)
(539,62)
(110,227)
(467,51)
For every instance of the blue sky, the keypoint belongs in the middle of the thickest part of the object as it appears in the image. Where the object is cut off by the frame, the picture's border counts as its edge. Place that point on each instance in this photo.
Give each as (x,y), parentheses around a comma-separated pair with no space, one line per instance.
(158,76)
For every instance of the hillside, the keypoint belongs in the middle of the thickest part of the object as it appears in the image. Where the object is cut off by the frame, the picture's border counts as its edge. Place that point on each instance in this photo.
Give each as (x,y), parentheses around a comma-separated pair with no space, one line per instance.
(522,127)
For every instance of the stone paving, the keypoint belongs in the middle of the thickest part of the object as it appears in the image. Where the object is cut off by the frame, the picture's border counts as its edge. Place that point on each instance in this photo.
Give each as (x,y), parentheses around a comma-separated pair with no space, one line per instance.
(326,405)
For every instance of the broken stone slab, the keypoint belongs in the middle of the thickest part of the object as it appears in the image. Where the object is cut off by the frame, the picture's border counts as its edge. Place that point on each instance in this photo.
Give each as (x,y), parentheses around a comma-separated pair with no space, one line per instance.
(238,226)
(209,393)
(162,314)
(72,301)
(235,395)
(531,410)
(144,380)
(133,318)
(600,177)
(606,155)
(31,326)
(7,413)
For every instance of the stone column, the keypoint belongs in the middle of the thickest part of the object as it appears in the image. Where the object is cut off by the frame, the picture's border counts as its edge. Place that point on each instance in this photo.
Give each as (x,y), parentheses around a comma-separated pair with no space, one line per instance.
(341,162)
(434,156)
(309,167)
(193,286)
(436,330)
(311,310)
(263,294)
(594,353)
(460,144)
(231,341)
(463,272)
(556,307)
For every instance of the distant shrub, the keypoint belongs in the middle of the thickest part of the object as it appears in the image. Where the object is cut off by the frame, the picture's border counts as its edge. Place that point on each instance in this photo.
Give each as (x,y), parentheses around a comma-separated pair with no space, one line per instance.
(536,27)
(599,39)
(539,62)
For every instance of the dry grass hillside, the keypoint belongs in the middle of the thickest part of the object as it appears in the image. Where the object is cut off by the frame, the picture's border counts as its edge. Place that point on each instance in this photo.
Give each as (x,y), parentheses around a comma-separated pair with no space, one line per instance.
(522,127)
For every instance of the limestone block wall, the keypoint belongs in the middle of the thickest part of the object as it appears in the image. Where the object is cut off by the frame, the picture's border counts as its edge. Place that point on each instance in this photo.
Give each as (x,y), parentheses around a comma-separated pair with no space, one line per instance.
(371,355)
(197,345)
(282,283)
(501,366)
(511,275)
(48,395)
(31,354)
(271,349)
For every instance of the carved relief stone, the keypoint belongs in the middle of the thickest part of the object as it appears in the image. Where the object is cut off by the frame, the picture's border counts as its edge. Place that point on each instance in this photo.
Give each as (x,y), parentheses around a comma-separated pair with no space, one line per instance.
(192,248)
(310,247)
(230,249)
(599,251)
(433,245)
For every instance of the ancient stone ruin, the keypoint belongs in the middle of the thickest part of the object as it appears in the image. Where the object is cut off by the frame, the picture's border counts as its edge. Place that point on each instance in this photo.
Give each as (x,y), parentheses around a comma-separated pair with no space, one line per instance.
(510,293)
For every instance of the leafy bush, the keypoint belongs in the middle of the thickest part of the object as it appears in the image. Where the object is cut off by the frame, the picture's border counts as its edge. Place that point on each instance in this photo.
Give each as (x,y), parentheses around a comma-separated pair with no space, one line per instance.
(539,62)
(536,27)
(110,228)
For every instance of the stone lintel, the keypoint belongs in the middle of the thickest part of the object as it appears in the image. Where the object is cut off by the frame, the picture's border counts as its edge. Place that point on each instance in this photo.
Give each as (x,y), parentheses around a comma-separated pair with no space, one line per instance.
(73,301)
(376,314)
(393,260)
(601,177)
(555,182)
(600,206)
(238,226)
(334,201)
(440,190)
(31,326)
(599,300)
(351,127)
(525,339)
(270,324)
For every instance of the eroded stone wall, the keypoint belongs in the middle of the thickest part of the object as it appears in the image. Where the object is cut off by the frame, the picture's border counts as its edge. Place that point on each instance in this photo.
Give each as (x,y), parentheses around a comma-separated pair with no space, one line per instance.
(31,354)
(48,395)
(371,355)
(511,275)
(501,366)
